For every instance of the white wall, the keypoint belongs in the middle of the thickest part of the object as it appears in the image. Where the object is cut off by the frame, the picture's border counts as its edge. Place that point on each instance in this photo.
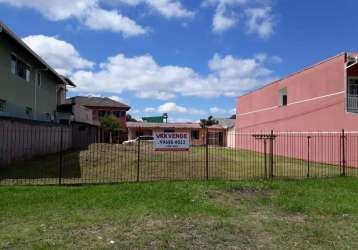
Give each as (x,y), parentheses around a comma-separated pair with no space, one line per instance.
(230,137)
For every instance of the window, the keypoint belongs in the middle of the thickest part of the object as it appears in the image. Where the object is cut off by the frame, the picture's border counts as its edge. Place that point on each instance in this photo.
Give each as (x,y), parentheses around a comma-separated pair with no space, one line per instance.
(169,130)
(103,113)
(119,113)
(20,68)
(13,64)
(283,97)
(353,86)
(28,112)
(38,79)
(2,105)
(195,134)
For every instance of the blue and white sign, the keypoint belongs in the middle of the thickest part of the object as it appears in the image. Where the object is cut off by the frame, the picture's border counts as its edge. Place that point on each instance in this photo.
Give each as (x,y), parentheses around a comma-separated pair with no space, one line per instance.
(173,141)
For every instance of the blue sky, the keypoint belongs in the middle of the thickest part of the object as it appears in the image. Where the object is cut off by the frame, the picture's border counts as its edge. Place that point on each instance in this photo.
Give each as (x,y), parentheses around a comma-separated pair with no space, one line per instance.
(188,58)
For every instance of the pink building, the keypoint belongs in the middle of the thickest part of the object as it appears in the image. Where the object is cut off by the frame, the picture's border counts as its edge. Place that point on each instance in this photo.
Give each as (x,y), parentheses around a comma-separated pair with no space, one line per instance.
(320,98)
(323,97)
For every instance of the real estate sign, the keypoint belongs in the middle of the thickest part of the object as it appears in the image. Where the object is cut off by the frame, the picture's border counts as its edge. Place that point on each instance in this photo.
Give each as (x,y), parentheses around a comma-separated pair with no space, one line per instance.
(173,141)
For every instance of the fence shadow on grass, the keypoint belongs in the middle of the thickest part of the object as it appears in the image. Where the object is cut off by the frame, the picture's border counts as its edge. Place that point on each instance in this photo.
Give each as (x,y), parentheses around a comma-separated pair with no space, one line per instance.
(42,169)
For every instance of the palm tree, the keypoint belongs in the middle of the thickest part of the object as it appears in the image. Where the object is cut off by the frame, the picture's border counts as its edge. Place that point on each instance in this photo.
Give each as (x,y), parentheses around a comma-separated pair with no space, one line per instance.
(130,118)
(204,123)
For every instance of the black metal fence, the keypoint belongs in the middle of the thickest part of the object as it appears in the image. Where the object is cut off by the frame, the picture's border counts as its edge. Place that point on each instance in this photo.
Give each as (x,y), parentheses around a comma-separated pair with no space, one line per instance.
(54,156)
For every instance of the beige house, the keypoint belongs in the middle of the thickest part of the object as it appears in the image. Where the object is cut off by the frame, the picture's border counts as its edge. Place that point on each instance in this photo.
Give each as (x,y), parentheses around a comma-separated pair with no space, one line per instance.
(216,133)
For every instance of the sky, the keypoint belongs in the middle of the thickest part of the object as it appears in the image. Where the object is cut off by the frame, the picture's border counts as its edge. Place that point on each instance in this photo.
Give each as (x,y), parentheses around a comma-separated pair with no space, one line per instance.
(189,58)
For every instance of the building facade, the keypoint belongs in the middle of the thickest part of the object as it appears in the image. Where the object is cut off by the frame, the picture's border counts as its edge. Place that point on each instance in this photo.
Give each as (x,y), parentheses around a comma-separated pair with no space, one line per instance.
(216,133)
(30,88)
(229,125)
(98,107)
(323,97)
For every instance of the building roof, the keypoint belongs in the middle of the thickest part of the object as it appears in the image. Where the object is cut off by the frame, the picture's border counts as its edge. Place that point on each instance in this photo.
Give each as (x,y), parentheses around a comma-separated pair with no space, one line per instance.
(97,102)
(155,119)
(226,122)
(151,125)
(13,36)
(162,125)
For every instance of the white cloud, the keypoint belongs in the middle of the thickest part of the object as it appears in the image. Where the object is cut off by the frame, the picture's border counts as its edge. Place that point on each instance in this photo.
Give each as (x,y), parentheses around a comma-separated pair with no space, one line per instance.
(62,56)
(257,15)
(87,12)
(265,58)
(116,98)
(100,19)
(221,21)
(166,8)
(224,17)
(217,110)
(113,97)
(150,110)
(159,95)
(229,76)
(90,94)
(142,75)
(260,21)
(172,107)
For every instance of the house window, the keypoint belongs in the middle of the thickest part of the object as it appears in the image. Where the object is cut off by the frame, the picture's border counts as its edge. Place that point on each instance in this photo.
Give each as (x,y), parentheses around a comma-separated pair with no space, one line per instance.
(283,97)
(169,130)
(119,113)
(353,87)
(28,112)
(20,68)
(2,105)
(195,134)
(38,79)
(104,113)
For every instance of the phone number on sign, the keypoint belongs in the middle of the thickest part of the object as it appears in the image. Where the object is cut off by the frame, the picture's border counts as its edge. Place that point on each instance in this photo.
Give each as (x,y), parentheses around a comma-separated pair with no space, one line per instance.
(171,142)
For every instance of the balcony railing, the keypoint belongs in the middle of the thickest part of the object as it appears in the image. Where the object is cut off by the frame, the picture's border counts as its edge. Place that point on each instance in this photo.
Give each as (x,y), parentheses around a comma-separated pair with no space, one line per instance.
(352,103)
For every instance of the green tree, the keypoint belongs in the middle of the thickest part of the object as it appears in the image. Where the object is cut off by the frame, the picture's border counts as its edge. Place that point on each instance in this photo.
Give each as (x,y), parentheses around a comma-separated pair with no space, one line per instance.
(130,118)
(208,122)
(110,123)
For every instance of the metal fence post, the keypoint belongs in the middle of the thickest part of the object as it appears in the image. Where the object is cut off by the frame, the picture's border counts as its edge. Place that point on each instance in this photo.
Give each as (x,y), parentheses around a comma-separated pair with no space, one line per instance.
(61,157)
(308,156)
(343,153)
(138,159)
(271,154)
(207,154)
(265,158)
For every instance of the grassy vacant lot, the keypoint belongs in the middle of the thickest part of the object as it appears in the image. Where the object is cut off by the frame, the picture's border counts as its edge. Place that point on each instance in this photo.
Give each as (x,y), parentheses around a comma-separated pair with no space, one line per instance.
(305,214)
(104,163)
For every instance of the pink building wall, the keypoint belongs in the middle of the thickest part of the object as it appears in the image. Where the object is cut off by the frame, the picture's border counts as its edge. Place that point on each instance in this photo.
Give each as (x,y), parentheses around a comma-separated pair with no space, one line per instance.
(316,102)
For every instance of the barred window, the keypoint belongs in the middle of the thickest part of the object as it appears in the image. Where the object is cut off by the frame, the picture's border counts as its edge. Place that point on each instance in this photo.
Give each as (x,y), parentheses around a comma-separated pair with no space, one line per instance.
(283,97)
(2,105)
(119,113)
(195,134)
(20,68)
